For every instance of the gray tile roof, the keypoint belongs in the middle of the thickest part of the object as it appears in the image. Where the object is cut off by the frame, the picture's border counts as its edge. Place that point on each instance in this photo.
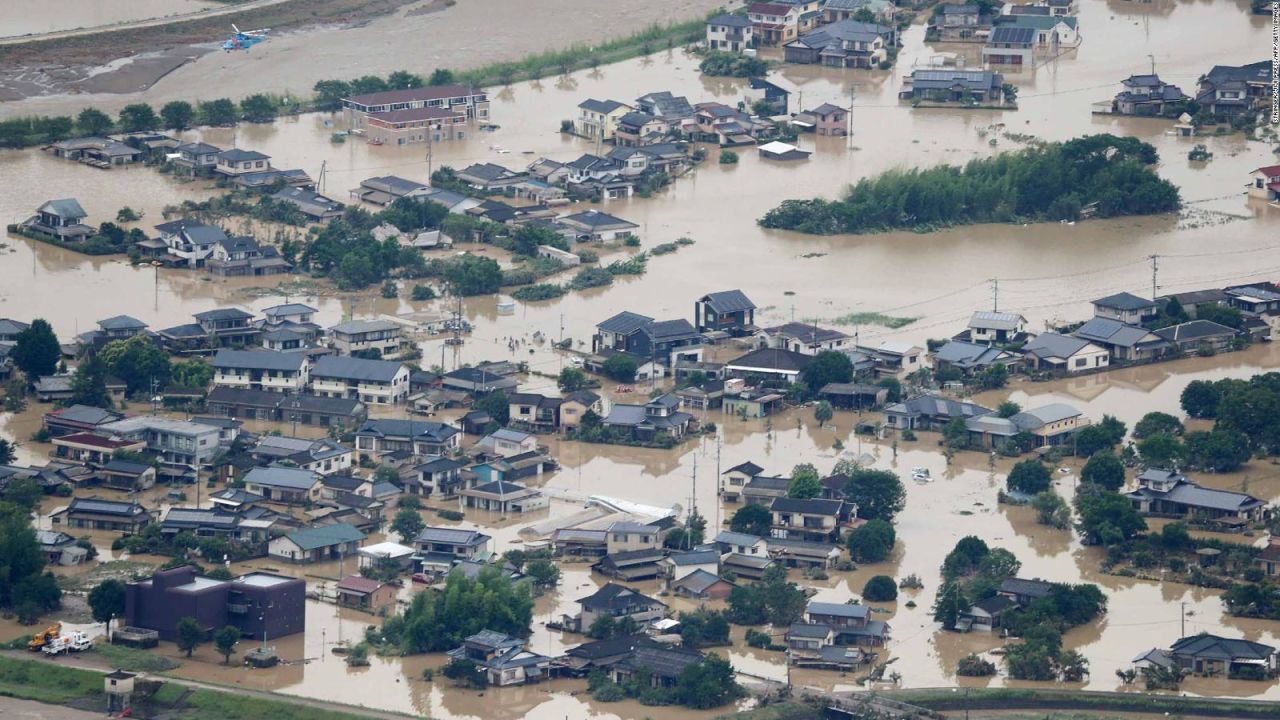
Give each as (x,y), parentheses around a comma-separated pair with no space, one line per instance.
(728,301)
(1052,345)
(121,322)
(1124,301)
(1035,418)
(282,477)
(66,208)
(812,506)
(1194,330)
(349,368)
(838,610)
(600,106)
(1220,648)
(258,360)
(771,359)
(451,536)
(995,320)
(238,155)
(1114,332)
(730,20)
(625,323)
(421,429)
(223,314)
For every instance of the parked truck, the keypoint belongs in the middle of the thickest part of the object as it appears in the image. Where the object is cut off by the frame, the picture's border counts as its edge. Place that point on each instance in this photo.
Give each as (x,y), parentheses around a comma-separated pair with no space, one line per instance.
(71,642)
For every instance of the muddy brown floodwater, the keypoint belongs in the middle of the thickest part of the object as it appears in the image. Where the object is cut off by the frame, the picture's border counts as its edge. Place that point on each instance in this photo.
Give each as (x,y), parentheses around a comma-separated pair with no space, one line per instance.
(1046,272)
(23,17)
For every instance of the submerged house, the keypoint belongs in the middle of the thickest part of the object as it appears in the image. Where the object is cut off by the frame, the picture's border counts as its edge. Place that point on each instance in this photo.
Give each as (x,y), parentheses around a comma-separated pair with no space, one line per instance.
(504,659)
(60,220)
(1172,494)
(644,423)
(957,87)
(1149,96)
(843,44)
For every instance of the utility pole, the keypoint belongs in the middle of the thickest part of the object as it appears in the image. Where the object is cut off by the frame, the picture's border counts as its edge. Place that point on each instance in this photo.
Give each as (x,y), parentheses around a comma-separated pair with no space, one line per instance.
(320,181)
(1153,64)
(717,479)
(1183,617)
(995,294)
(1155,271)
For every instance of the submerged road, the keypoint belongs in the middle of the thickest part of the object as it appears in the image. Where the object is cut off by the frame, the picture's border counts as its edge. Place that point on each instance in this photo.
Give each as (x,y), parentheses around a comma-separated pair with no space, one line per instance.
(143,22)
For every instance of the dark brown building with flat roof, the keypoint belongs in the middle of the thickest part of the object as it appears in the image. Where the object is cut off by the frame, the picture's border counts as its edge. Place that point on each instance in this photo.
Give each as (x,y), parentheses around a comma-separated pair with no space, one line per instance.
(253,603)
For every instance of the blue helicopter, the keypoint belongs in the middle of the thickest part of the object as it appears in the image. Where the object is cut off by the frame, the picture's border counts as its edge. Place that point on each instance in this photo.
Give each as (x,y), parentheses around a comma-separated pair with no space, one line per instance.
(244,39)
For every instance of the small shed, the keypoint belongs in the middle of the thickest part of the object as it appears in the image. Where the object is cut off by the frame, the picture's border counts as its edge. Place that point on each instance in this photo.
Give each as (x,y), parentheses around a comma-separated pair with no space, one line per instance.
(782,151)
(118,687)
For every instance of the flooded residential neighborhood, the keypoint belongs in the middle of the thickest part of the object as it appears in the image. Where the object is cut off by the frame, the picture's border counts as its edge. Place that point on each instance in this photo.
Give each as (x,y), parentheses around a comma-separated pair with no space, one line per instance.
(641,361)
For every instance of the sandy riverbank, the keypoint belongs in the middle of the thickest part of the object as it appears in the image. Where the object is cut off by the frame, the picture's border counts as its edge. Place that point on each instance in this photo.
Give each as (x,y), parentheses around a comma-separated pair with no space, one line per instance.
(420,36)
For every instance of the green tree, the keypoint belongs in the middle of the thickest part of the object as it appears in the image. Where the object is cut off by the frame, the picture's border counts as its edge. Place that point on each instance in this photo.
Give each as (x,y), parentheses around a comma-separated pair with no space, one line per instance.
(89,383)
(258,109)
(22,562)
(138,117)
(225,640)
(827,366)
(218,112)
(1200,399)
(805,482)
(6,451)
(23,491)
(1107,518)
(603,627)
(496,404)
(950,602)
(329,94)
(1029,477)
(706,684)
(15,392)
(190,634)
(36,351)
(1156,422)
(407,524)
(880,588)
(1221,314)
(527,238)
(1105,471)
(403,80)
(878,494)
(751,519)
(956,434)
(1008,409)
(965,558)
(1216,450)
(1051,510)
(441,76)
(422,293)
(192,373)
(543,572)
(620,368)
(1092,439)
(177,115)
(438,621)
(106,601)
(1159,450)
(872,542)
(572,379)
(992,377)
(823,412)
(472,275)
(91,121)
(138,362)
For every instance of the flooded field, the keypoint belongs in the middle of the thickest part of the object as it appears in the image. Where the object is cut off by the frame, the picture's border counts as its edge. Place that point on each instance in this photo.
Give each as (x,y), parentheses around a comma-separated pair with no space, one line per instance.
(23,17)
(1046,272)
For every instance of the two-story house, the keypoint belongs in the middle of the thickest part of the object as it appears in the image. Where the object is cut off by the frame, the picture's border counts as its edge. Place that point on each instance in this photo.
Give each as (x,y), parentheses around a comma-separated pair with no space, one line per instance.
(381,336)
(470,101)
(996,328)
(1126,307)
(662,415)
(191,243)
(851,623)
(1010,45)
(844,44)
(598,119)
(774,23)
(620,603)
(294,486)
(235,162)
(261,370)
(436,476)
(423,438)
(959,22)
(729,311)
(813,519)
(181,446)
(1228,90)
(373,382)
(322,456)
(802,338)
(228,327)
(596,226)
(729,32)
(1264,183)
(196,158)
(60,219)
(440,548)
(503,660)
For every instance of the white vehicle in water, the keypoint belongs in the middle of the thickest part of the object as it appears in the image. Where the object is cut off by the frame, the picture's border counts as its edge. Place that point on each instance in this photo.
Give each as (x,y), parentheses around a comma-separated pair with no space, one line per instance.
(70,642)
(921,474)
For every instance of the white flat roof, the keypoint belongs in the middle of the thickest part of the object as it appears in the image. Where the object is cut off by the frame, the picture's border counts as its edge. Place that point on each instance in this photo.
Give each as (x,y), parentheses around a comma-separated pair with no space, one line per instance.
(385,550)
(263,580)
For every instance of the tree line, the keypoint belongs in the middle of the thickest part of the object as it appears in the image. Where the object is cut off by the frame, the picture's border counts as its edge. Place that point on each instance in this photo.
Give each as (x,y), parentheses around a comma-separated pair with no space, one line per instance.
(1100,175)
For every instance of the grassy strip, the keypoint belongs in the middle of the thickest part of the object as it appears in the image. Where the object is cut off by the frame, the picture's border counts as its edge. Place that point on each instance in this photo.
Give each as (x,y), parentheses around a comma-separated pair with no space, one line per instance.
(215,705)
(579,56)
(874,318)
(1009,698)
(134,660)
(46,683)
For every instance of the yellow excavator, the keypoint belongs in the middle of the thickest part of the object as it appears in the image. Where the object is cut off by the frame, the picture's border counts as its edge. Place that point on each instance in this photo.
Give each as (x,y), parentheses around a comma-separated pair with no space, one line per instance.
(44,637)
